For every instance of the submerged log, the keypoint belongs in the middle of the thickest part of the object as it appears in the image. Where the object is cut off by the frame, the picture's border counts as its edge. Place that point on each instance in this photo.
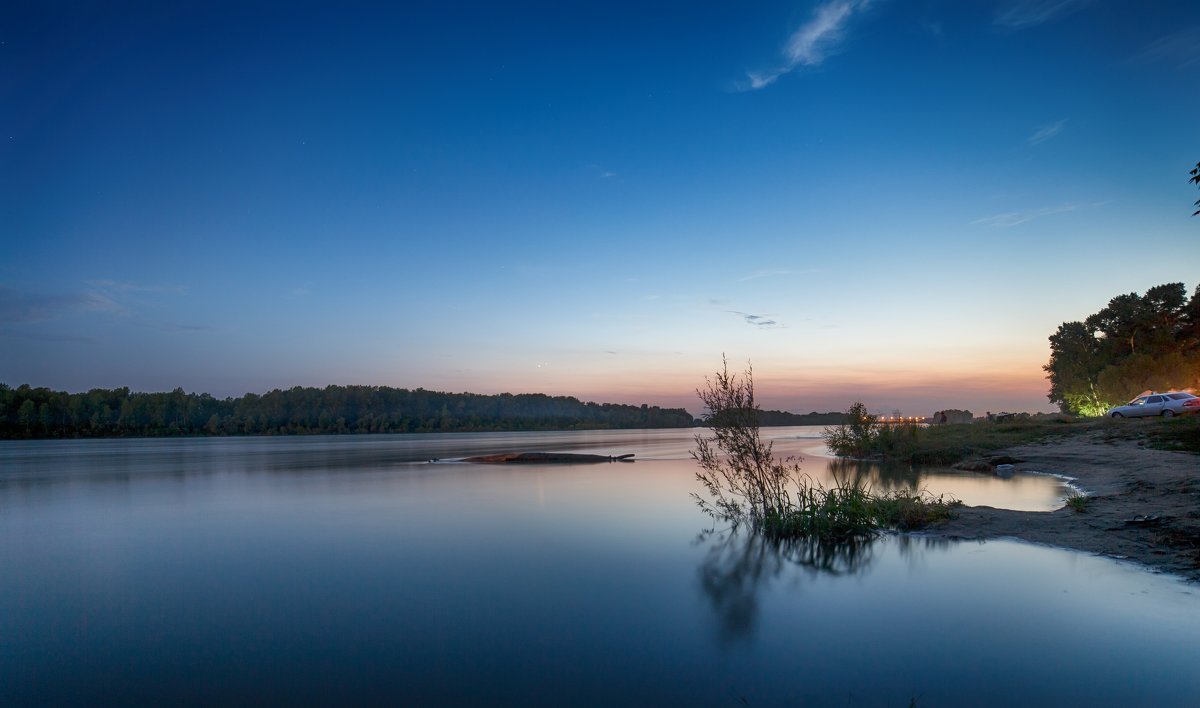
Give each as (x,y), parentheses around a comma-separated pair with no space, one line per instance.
(536,457)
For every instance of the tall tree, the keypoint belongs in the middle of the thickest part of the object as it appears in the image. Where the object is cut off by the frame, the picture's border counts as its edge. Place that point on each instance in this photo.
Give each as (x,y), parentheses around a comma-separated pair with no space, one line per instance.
(1076,360)
(1196,180)
(1136,342)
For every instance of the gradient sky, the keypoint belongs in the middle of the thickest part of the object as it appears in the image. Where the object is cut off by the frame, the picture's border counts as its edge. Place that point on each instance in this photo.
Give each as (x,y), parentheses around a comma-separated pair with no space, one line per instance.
(882,200)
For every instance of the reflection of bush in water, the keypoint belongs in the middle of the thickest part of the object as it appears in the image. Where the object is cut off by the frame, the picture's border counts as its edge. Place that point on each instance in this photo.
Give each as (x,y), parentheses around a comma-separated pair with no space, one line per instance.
(738,564)
(741,563)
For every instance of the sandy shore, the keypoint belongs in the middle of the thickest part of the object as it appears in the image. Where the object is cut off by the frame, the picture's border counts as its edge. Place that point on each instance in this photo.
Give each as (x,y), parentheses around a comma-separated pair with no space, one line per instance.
(1144,504)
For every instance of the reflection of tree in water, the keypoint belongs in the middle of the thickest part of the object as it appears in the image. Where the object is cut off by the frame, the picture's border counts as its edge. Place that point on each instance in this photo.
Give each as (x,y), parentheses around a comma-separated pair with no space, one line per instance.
(740,563)
(880,477)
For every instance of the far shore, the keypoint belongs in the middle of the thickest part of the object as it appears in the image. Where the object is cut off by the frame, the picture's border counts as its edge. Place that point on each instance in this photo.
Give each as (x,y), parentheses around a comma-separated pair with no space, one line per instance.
(1143,504)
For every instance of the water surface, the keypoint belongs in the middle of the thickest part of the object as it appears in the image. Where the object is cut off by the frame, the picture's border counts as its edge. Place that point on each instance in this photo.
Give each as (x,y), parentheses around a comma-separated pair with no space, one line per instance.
(350,568)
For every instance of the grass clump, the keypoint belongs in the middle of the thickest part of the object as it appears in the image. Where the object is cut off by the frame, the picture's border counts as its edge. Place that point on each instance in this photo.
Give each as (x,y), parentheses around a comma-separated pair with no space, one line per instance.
(1077,501)
(864,437)
(908,510)
(846,511)
(745,483)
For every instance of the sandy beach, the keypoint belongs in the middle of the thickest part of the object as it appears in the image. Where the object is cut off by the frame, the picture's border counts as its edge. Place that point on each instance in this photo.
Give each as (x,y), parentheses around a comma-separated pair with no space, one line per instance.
(1143,506)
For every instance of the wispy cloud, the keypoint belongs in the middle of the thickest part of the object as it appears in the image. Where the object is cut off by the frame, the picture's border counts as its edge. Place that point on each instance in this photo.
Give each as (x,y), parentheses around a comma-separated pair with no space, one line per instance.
(16,306)
(764,274)
(1014,218)
(174,327)
(1046,132)
(815,40)
(114,286)
(602,172)
(1022,14)
(775,272)
(756,320)
(44,337)
(1180,49)
(103,296)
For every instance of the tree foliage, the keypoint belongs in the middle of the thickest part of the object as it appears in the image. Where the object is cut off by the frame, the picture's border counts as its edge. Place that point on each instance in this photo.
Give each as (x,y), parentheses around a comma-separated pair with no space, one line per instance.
(27,412)
(855,437)
(1196,181)
(863,436)
(1137,342)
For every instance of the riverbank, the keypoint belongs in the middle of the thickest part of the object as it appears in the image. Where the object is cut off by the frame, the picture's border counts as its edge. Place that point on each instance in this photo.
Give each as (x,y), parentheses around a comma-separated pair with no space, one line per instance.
(1143,504)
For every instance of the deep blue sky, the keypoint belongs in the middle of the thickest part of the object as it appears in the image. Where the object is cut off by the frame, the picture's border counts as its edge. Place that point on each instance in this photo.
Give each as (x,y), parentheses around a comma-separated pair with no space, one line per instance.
(893,201)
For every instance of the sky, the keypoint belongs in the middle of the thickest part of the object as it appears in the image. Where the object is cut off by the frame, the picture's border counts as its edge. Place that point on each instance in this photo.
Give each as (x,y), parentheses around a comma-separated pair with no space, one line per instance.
(890,201)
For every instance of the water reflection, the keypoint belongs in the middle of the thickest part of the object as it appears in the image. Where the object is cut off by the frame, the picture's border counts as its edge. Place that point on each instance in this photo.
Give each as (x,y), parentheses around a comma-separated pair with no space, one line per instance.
(876,476)
(740,566)
(213,571)
(26,465)
(1022,491)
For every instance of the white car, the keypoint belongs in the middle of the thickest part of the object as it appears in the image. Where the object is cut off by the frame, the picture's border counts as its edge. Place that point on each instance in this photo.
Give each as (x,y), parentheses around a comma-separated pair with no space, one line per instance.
(1164,404)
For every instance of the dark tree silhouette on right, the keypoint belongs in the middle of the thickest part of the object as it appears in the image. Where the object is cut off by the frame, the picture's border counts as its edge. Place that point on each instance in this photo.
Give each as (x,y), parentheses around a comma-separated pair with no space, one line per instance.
(1196,180)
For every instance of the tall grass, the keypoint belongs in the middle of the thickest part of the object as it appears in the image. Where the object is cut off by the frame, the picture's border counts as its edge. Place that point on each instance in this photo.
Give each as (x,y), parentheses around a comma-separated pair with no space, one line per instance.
(746,484)
(864,437)
(847,510)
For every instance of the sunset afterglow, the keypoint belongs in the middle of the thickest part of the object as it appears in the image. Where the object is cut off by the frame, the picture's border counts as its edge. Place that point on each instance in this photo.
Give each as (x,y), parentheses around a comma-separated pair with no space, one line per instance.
(866,200)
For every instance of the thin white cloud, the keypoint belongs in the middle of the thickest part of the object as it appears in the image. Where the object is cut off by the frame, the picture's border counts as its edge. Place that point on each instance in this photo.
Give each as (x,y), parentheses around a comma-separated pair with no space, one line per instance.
(125,287)
(174,327)
(1180,49)
(16,306)
(601,171)
(764,274)
(1014,218)
(42,337)
(1022,14)
(812,42)
(774,272)
(1046,132)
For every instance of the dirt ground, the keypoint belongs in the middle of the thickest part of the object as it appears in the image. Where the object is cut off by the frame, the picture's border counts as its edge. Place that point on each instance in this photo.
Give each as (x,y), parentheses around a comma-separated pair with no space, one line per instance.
(1143,504)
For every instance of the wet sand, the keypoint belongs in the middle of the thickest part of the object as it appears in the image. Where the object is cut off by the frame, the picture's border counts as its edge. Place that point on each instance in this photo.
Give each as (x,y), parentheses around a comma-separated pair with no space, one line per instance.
(1143,504)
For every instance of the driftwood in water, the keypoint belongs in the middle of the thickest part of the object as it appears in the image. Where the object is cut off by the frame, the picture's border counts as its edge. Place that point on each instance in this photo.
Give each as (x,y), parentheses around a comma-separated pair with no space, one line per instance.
(535,457)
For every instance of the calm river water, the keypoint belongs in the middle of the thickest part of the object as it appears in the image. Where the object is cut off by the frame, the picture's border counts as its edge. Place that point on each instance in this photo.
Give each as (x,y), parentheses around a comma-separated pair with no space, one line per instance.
(337,569)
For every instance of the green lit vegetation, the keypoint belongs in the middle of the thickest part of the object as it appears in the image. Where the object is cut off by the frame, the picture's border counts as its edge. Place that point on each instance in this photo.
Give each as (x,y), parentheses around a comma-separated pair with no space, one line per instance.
(746,484)
(1136,343)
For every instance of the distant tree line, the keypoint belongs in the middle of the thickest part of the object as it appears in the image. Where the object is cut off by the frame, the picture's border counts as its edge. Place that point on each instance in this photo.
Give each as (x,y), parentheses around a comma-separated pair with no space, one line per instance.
(27,412)
(1136,343)
(774,418)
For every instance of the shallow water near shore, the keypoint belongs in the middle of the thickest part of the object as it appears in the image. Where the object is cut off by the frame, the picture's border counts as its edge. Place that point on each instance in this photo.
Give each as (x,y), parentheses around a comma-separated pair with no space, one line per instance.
(352,569)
